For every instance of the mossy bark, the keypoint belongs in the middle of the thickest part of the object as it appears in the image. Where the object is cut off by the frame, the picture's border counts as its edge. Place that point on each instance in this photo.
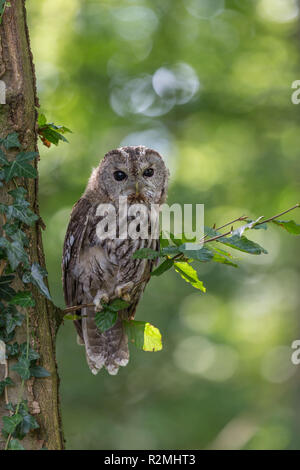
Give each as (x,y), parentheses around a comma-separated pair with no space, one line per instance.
(19,114)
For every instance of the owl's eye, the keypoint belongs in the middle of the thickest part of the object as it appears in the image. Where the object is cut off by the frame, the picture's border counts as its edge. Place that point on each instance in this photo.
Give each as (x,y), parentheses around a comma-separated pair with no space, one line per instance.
(148,173)
(119,175)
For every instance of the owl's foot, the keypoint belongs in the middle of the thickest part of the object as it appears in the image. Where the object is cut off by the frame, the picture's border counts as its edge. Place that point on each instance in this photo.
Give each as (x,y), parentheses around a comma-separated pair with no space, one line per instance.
(99,300)
(122,291)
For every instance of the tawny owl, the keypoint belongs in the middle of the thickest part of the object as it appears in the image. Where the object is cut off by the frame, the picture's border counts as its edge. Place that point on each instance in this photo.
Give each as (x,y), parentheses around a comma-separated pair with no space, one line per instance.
(99,269)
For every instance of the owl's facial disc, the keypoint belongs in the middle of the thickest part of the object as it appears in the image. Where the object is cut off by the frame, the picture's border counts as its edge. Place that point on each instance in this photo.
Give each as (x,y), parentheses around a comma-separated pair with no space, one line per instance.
(134,172)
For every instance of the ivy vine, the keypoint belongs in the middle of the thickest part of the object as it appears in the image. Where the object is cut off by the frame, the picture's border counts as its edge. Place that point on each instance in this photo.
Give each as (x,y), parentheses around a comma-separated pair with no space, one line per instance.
(14,306)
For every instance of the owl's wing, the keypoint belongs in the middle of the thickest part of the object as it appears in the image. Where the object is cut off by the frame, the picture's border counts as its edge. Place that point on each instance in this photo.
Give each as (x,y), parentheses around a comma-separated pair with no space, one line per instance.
(75,235)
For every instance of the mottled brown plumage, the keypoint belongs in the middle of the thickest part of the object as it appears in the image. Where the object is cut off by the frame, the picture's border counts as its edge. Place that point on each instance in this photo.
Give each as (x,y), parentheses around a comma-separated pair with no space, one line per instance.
(96,269)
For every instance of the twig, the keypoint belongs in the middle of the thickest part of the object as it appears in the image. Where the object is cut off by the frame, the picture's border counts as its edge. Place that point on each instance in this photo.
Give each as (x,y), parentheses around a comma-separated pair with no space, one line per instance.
(259,223)
(278,215)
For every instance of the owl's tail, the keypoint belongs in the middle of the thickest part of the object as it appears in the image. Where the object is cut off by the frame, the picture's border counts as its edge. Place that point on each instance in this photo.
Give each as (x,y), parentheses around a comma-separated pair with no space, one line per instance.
(108,349)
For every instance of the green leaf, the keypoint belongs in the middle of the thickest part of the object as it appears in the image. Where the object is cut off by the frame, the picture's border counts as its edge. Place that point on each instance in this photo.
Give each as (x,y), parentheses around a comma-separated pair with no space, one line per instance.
(189,274)
(22,367)
(258,227)
(42,120)
(163,240)
(11,141)
(28,351)
(105,319)
(179,240)
(143,335)
(3,159)
(145,253)
(50,133)
(163,267)
(289,225)
(12,320)
(39,372)
(6,292)
(15,252)
(14,444)
(242,244)
(18,194)
(11,422)
(250,225)
(170,250)
(19,211)
(35,276)
(203,254)
(218,258)
(12,349)
(118,304)
(20,167)
(5,383)
(23,298)
(72,316)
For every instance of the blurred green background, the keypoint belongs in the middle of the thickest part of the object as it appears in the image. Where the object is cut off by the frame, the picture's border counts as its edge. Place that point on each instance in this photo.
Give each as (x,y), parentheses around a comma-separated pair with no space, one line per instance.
(208,84)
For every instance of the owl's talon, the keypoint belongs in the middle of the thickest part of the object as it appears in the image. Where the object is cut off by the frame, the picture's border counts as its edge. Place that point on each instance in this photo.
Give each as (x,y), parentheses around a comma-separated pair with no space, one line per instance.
(122,292)
(99,300)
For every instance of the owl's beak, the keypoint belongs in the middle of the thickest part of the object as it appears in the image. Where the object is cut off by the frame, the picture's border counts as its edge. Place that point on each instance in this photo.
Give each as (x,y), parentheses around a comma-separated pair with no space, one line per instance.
(136,188)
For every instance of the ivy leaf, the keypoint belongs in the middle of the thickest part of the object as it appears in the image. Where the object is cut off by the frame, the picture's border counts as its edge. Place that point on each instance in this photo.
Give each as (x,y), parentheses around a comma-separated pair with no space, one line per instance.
(3,159)
(4,383)
(145,253)
(20,167)
(12,349)
(143,335)
(35,276)
(22,367)
(289,225)
(39,372)
(23,298)
(6,292)
(243,244)
(24,351)
(15,252)
(163,267)
(19,211)
(28,423)
(189,274)
(105,319)
(18,194)
(11,141)
(14,444)
(11,422)
(12,320)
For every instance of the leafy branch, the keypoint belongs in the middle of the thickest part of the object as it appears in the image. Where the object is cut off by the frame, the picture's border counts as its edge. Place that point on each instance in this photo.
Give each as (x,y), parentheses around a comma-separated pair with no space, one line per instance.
(49,133)
(179,254)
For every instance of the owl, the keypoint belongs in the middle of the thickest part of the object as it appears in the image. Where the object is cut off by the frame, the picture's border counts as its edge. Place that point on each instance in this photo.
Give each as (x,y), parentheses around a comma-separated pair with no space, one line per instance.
(97,270)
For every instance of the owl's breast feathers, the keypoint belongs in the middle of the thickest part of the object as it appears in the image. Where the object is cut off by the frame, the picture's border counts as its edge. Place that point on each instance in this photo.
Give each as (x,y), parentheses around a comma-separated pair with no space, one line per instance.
(95,267)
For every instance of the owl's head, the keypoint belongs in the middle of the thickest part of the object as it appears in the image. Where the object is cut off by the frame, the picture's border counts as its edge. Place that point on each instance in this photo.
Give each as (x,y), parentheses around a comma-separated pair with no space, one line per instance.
(139,173)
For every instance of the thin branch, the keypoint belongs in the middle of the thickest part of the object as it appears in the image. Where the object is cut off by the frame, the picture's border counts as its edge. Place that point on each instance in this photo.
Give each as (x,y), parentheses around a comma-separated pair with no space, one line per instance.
(278,215)
(259,223)
(243,217)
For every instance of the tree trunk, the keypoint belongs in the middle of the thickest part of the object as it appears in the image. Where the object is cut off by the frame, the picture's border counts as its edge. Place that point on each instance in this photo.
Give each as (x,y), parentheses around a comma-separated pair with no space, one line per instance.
(19,115)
